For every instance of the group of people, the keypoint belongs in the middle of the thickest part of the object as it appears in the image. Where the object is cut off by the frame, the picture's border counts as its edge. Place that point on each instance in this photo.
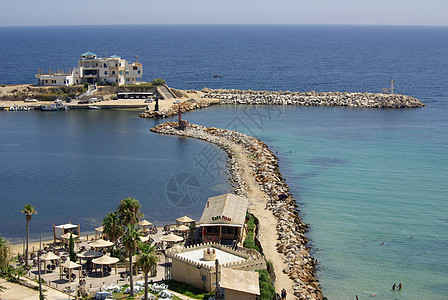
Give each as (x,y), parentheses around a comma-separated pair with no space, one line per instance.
(395,286)
(281,296)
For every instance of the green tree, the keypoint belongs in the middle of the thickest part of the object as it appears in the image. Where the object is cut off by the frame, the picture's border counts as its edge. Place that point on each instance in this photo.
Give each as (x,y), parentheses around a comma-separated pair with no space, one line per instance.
(5,251)
(147,260)
(130,243)
(112,227)
(129,211)
(71,244)
(29,211)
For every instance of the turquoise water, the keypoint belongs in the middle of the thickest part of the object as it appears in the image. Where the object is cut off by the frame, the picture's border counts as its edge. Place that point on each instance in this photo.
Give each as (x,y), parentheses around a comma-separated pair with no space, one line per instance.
(361,177)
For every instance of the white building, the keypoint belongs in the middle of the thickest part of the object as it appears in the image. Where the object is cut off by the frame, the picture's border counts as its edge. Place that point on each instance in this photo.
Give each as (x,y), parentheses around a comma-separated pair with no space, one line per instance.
(92,69)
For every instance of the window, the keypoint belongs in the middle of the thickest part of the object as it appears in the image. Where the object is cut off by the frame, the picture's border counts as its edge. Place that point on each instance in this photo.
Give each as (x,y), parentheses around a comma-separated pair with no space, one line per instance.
(138,72)
(134,68)
(204,277)
(105,65)
(105,72)
(113,72)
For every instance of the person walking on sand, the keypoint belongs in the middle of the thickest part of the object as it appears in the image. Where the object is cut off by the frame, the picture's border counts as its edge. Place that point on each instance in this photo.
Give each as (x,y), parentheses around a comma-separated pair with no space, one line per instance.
(284,294)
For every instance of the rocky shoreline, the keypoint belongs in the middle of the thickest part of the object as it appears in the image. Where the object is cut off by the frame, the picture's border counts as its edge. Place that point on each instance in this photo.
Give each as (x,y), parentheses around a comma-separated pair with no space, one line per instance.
(291,239)
(362,100)
(183,107)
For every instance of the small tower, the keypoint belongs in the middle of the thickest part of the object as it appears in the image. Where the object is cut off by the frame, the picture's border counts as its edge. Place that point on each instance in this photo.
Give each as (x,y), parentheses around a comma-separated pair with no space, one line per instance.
(392,86)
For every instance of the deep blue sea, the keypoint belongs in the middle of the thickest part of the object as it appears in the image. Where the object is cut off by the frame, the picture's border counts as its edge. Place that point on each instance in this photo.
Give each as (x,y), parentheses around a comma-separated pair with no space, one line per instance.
(362,177)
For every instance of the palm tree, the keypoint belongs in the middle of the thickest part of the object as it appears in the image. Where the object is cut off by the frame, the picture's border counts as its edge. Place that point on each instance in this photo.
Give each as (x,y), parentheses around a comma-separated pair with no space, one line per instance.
(147,260)
(5,250)
(29,211)
(129,211)
(130,243)
(112,227)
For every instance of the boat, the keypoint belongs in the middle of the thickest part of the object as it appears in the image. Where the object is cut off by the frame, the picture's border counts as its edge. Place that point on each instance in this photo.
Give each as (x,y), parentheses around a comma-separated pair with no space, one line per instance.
(217,75)
(30,100)
(54,107)
(94,107)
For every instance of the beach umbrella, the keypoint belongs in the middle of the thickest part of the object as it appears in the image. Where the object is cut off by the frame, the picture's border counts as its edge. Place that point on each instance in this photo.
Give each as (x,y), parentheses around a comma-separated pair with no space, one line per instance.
(182,228)
(66,236)
(143,238)
(100,243)
(171,238)
(184,220)
(99,231)
(90,254)
(69,265)
(106,260)
(144,223)
(48,256)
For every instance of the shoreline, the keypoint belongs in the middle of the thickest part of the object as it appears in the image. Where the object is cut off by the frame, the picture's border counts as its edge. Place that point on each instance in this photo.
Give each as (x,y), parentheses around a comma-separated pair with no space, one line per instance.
(255,174)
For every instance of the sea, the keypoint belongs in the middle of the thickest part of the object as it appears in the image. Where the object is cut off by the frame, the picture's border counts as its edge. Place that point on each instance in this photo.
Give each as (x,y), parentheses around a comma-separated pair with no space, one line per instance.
(371,183)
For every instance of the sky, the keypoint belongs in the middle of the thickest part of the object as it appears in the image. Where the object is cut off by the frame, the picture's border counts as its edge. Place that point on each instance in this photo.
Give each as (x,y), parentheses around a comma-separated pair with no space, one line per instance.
(108,12)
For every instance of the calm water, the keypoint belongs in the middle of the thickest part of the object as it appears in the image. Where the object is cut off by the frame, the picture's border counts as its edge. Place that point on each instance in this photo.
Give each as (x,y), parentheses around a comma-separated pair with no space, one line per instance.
(361,177)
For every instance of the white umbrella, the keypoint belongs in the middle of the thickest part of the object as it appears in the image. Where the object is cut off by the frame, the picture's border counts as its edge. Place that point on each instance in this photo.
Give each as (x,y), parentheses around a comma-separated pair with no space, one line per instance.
(144,238)
(66,236)
(182,228)
(100,243)
(171,238)
(184,219)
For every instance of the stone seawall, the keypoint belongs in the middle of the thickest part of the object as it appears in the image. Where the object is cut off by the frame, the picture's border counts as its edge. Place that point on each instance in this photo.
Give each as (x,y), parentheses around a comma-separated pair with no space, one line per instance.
(362,100)
(291,241)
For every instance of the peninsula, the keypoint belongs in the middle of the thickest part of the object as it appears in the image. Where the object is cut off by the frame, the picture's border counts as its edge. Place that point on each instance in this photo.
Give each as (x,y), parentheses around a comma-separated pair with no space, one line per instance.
(255,174)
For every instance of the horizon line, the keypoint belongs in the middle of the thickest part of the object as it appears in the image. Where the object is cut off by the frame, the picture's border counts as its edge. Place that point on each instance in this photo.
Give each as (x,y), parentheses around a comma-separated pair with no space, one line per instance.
(228,24)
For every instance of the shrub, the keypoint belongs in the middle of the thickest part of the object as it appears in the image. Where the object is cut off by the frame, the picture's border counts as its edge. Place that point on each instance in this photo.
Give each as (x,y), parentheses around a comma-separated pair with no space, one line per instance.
(267,290)
(158,81)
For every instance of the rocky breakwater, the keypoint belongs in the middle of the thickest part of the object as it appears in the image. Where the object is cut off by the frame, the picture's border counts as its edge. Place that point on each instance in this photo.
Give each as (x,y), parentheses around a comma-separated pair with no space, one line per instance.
(183,106)
(292,244)
(362,100)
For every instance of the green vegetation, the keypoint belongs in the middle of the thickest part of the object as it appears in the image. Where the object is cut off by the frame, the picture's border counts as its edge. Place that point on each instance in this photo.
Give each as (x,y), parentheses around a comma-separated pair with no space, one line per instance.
(5,250)
(72,253)
(267,290)
(147,260)
(249,242)
(187,289)
(29,211)
(158,81)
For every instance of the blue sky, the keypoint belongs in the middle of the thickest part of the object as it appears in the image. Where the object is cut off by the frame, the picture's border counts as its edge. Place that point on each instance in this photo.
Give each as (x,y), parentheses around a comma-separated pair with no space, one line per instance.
(371,12)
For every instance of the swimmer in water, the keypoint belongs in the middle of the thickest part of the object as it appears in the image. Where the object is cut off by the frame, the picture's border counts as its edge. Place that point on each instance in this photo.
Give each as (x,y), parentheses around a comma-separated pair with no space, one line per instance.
(382,243)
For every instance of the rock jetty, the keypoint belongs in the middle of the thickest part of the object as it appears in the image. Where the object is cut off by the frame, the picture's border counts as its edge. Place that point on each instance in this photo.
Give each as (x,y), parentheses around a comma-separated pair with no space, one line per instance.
(184,106)
(292,243)
(362,100)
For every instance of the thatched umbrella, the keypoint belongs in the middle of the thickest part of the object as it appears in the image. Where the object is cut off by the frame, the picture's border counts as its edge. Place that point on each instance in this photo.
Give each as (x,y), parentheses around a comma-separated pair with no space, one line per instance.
(106,260)
(69,265)
(182,228)
(184,220)
(48,256)
(98,232)
(144,223)
(100,243)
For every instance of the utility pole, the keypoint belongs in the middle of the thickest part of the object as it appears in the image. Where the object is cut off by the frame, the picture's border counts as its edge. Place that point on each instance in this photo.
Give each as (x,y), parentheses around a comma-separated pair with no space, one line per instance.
(41,296)
(217,279)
